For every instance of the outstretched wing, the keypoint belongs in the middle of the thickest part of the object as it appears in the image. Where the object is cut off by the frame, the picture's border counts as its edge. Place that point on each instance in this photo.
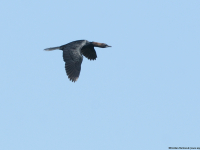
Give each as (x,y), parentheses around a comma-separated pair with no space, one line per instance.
(73,58)
(89,52)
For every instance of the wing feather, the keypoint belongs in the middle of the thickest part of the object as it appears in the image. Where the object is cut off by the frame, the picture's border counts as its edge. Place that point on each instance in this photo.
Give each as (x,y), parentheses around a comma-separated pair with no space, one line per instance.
(73,58)
(89,52)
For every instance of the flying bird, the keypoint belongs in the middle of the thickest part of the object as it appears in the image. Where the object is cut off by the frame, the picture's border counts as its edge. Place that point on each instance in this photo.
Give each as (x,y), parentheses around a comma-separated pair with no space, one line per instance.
(73,55)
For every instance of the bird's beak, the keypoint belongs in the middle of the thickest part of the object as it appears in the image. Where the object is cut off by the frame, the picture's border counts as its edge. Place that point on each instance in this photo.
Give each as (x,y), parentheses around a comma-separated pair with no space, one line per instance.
(108,46)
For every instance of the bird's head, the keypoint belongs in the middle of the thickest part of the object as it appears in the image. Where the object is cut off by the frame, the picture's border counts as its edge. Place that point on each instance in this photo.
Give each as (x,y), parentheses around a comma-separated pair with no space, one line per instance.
(102,45)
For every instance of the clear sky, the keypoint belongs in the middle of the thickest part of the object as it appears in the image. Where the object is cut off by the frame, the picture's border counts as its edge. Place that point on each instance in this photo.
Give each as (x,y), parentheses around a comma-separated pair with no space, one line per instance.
(143,93)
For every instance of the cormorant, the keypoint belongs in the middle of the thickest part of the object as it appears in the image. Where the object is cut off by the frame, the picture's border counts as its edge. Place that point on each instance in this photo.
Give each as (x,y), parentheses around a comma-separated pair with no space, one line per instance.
(72,55)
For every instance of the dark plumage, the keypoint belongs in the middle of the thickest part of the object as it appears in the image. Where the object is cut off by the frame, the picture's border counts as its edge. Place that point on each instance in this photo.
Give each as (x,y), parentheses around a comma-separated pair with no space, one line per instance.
(72,55)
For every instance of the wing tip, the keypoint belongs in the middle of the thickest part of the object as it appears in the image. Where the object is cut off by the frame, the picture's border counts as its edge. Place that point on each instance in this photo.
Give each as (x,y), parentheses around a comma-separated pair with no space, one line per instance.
(73,79)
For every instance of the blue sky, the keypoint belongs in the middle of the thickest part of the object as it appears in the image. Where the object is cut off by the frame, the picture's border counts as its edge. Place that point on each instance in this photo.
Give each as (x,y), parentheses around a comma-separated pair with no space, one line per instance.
(143,93)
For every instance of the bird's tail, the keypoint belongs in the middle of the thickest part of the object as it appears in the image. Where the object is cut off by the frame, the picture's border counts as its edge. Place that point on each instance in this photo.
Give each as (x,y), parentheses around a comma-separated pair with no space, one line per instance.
(52,48)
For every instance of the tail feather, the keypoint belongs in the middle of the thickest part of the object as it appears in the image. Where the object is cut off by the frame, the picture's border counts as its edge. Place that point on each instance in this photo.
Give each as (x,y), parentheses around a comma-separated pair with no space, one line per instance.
(52,48)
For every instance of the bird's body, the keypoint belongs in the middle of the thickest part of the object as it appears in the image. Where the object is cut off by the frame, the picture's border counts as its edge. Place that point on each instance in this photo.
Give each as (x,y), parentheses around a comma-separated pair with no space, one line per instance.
(72,55)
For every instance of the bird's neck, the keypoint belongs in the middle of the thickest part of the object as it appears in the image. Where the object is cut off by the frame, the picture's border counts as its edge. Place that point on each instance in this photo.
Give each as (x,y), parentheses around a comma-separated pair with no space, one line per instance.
(96,44)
